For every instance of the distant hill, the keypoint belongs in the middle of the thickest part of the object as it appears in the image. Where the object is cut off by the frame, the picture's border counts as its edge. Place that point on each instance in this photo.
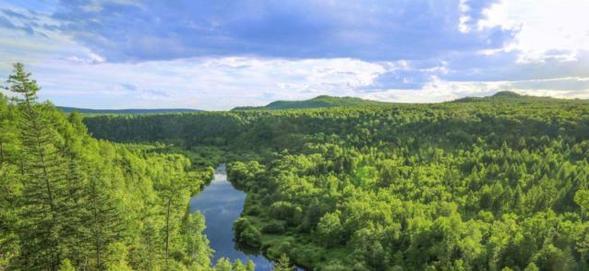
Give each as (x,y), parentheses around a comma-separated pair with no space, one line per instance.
(510,96)
(125,111)
(317,102)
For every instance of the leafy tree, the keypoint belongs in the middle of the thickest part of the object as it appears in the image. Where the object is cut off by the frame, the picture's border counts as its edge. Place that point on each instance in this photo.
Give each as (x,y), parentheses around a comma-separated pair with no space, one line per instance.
(223,264)
(66,265)
(198,251)
(283,264)
(330,229)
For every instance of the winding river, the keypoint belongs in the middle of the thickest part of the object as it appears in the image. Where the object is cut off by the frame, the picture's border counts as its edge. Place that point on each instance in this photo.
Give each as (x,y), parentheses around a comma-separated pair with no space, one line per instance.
(221,204)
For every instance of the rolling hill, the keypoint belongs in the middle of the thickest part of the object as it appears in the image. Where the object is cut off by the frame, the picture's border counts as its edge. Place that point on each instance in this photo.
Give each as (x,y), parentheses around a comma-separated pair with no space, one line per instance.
(317,102)
(510,96)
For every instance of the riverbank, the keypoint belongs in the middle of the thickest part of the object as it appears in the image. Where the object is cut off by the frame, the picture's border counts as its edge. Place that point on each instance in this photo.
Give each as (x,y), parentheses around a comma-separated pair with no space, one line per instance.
(221,204)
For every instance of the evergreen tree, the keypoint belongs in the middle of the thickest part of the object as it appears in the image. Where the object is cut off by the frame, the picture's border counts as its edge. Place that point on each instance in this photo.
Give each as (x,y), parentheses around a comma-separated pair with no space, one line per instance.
(62,193)
(42,203)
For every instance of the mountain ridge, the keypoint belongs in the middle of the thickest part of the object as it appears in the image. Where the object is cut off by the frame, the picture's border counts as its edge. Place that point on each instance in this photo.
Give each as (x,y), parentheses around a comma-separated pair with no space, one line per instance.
(325,101)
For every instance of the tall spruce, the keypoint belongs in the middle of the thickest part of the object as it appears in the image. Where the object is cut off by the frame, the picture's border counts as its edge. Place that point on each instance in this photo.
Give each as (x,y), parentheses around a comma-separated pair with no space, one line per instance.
(42,202)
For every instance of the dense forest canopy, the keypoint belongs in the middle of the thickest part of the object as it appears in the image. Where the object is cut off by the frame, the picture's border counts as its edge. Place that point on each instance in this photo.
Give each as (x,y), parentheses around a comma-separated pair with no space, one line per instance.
(72,202)
(496,183)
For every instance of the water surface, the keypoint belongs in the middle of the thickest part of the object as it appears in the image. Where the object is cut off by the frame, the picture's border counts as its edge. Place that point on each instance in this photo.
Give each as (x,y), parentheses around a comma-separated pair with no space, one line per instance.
(221,204)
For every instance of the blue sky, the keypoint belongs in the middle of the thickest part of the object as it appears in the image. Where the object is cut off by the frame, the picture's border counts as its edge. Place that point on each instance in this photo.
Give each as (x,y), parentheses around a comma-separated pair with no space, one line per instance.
(220,54)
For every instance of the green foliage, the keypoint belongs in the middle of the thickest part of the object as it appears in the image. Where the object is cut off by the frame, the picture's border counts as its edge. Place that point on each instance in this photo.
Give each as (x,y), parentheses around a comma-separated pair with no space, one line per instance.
(479,184)
(283,264)
(273,227)
(223,264)
(247,233)
(489,185)
(66,265)
(330,229)
(198,252)
(71,202)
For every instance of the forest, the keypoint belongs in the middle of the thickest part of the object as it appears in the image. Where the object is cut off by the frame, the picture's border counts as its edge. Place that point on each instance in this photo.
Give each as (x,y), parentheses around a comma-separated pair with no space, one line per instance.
(71,202)
(494,183)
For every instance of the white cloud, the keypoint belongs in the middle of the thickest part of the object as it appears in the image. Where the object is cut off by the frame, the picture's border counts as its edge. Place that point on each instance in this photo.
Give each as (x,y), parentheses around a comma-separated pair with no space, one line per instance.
(205,83)
(89,58)
(438,90)
(45,42)
(464,19)
(74,75)
(547,29)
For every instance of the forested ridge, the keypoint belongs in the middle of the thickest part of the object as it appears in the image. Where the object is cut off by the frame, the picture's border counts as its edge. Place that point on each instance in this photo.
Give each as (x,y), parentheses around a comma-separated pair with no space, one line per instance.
(72,202)
(317,102)
(499,183)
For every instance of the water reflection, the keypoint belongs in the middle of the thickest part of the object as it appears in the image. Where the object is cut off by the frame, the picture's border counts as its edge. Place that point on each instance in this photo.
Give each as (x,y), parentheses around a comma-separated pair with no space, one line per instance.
(221,204)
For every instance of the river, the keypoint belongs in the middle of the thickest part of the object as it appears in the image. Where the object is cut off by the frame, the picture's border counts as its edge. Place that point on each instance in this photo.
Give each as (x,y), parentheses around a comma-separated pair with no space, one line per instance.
(221,204)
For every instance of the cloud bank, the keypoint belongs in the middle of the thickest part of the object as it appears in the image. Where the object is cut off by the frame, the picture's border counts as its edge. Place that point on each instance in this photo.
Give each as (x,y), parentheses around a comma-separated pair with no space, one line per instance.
(221,54)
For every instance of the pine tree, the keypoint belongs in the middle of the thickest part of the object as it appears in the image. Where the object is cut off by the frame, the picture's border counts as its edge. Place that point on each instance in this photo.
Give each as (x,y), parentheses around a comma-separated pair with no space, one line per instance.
(42,208)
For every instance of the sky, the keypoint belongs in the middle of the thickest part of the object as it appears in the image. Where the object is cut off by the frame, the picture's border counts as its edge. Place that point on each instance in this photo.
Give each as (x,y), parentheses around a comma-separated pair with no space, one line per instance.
(218,54)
